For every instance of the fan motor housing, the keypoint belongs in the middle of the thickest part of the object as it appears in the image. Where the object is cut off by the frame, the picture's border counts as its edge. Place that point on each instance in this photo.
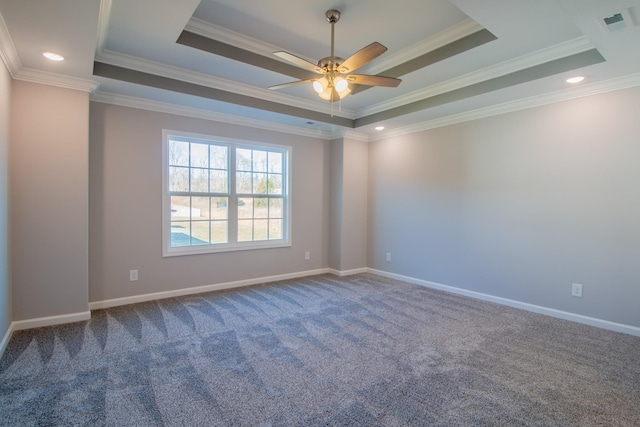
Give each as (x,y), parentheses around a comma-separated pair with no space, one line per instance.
(330,63)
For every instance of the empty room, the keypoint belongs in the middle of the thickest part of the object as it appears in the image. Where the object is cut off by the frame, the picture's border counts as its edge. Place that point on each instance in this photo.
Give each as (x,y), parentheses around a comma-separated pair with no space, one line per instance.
(331,213)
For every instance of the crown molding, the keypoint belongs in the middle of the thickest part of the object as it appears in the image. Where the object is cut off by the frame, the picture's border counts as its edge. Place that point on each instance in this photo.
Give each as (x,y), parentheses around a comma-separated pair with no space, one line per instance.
(449,35)
(561,50)
(351,134)
(225,35)
(59,80)
(103,25)
(618,83)
(8,52)
(198,113)
(170,71)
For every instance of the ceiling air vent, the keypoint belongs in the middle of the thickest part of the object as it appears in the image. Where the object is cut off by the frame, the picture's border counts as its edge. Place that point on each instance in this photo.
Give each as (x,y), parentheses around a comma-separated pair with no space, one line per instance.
(617,21)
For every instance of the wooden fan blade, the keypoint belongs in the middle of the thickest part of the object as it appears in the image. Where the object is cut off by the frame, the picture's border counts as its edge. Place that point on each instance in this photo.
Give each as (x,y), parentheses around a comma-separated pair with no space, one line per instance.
(296,60)
(361,57)
(283,85)
(367,80)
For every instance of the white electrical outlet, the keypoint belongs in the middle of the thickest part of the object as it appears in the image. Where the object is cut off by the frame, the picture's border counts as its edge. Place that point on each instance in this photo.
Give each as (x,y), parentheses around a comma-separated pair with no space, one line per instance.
(307,255)
(133,275)
(576,290)
(388,256)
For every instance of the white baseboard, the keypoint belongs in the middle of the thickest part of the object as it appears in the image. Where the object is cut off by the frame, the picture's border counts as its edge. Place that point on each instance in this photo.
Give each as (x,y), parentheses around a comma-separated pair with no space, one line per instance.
(50,320)
(76,317)
(343,273)
(201,289)
(5,339)
(592,321)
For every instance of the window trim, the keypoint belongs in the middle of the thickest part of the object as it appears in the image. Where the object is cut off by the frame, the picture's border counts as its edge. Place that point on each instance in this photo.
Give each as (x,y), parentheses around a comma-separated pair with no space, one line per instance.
(232,143)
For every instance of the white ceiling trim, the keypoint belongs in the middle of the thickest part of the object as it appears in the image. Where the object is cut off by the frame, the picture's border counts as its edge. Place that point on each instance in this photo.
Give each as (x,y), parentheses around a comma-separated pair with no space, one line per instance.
(8,51)
(619,83)
(164,70)
(571,47)
(103,25)
(225,35)
(351,134)
(59,80)
(438,40)
(198,113)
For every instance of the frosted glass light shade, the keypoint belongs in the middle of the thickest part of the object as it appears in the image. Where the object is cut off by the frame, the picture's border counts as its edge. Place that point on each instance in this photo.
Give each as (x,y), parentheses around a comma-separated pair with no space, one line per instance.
(320,85)
(340,84)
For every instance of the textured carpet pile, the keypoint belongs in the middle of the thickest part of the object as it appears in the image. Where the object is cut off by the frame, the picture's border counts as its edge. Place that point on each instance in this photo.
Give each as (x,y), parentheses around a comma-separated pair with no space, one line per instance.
(324,350)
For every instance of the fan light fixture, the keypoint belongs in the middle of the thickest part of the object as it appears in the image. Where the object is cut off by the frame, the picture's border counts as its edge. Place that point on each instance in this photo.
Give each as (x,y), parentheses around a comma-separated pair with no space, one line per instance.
(325,86)
(335,80)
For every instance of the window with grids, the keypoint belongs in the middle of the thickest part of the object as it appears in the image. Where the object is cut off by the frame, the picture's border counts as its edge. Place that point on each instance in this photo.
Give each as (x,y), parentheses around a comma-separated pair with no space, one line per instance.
(223,195)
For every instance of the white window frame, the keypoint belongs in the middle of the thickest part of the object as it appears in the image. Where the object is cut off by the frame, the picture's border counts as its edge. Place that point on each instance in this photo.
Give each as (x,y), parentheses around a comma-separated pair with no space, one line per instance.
(168,251)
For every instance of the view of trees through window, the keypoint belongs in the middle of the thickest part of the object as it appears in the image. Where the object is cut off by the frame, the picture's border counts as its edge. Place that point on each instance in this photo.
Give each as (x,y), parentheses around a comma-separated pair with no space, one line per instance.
(223,193)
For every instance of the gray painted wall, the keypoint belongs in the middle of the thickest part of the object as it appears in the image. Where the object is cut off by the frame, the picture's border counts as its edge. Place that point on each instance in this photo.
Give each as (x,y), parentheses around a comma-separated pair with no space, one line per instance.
(354,204)
(336,185)
(5,290)
(125,207)
(518,206)
(48,200)
(349,171)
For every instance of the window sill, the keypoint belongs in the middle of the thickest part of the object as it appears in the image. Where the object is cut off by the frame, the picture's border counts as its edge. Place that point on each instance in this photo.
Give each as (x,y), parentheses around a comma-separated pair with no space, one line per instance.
(211,249)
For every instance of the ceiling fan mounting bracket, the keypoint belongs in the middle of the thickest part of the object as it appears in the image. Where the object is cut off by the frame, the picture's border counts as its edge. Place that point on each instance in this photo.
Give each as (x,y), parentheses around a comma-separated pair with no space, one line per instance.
(333,16)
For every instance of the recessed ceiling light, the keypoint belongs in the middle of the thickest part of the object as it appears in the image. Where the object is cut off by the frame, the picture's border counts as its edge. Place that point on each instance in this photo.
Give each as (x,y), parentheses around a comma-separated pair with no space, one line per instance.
(53,56)
(576,79)
(379,127)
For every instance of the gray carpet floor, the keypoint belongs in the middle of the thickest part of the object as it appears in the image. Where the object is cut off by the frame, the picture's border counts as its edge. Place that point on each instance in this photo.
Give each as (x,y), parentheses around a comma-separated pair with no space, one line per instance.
(323,350)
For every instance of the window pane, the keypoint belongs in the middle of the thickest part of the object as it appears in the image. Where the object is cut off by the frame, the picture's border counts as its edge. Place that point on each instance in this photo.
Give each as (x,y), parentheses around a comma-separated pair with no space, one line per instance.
(200,208)
(259,161)
(219,232)
(243,183)
(243,159)
(275,162)
(260,183)
(260,229)
(275,229)
(178,153)
(218,181)
(245,230)
(199,155)
(199,232)
(200,180)
(218,157)
(178,179)
(219,208)
(275,208)
(197,170)
(275,184)
(180,233)
(245,207)
(260,207)
(180,208)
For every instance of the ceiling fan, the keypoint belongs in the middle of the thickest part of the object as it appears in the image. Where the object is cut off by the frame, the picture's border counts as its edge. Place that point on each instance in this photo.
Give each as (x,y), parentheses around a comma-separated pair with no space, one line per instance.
(335,72)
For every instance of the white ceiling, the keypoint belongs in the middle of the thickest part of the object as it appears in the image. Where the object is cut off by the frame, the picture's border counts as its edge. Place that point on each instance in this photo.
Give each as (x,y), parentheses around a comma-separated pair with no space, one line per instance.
(537,43)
